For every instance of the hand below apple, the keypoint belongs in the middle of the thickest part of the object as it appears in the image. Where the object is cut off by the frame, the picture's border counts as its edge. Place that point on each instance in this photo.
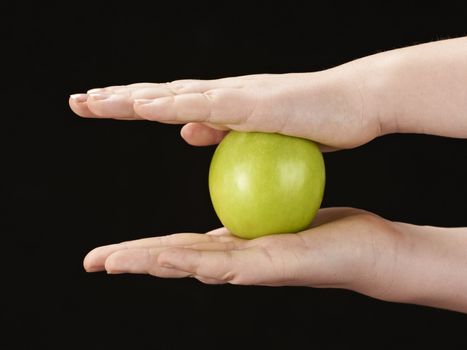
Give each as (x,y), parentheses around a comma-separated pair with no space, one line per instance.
(346,248)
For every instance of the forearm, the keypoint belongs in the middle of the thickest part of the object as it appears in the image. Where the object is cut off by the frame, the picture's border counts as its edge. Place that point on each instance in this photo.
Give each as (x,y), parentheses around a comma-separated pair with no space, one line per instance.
(417,89)
(431,268)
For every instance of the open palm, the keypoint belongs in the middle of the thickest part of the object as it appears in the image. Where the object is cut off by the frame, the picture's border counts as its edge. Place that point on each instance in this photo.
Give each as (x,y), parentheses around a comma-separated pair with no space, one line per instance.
(346,248)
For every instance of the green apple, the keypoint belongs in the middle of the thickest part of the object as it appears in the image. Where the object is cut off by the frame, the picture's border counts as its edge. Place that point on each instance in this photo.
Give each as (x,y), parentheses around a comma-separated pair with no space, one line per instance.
(264,183)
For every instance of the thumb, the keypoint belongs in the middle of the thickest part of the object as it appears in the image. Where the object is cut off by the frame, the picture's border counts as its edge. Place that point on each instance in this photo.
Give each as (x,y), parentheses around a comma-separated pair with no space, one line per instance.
(198,134)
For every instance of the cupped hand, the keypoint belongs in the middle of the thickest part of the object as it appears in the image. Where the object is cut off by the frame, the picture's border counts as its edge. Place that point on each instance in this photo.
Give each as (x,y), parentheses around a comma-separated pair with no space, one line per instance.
(327,106)
(345,248)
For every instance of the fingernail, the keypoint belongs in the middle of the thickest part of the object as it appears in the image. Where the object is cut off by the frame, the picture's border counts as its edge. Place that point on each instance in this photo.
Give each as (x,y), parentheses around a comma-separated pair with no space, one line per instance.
(143,101)
(91,269)
(79,97)
(99,97)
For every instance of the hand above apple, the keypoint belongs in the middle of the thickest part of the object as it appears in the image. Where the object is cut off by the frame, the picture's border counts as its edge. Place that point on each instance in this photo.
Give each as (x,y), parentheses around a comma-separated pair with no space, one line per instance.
(419,89)
(261,103)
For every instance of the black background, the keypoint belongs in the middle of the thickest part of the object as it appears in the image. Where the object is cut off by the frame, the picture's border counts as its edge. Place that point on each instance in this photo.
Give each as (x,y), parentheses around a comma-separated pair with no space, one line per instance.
(71,184)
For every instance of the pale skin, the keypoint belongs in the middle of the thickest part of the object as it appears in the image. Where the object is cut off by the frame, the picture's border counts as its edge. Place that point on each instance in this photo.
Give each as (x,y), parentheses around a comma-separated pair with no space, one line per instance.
(417,89)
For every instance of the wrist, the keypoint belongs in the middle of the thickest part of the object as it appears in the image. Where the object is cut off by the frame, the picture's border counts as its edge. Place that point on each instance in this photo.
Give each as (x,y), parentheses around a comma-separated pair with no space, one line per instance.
(341,97)
(377,84)
(435,267)
(426,266)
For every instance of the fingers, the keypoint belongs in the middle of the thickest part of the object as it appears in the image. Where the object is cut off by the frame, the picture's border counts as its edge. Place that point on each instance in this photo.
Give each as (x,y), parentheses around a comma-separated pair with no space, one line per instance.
(185,86)
(114,102)
(214,258)
(117,106)
(117,101)
(216,266)
(121,88)
(197,134)
(95,259)
(78,104)
(139,261)
(220,107)
(146,260)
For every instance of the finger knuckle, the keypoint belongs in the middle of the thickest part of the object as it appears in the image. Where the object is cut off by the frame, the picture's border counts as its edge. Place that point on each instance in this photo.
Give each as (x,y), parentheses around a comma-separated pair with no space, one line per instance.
(183,85)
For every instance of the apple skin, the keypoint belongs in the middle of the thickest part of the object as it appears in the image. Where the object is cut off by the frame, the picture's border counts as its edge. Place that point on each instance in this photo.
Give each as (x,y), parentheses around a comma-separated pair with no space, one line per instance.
(264,183)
